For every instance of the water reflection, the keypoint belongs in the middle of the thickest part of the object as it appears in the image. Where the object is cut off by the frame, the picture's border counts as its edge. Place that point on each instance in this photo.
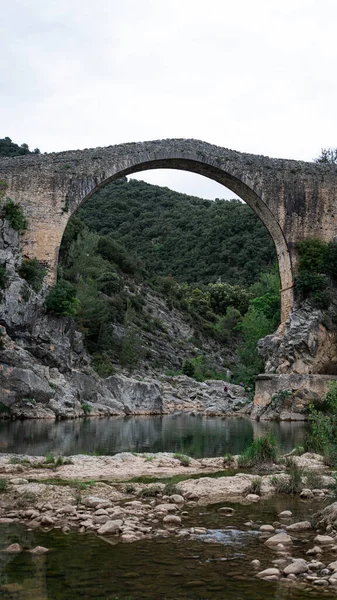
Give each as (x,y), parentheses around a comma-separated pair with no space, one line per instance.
(193,435)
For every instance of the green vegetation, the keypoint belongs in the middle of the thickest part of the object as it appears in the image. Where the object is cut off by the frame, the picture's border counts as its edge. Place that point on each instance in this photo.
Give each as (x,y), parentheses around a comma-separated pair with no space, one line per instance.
(317,274)
(32,271)
(292,483)
(171,488)
(322,436)
(261,451)
(3,485)
(15,216)
(327,156)
(87,408)
(194,240)
(62,300)
(184,460)
(150,492)
(9,148)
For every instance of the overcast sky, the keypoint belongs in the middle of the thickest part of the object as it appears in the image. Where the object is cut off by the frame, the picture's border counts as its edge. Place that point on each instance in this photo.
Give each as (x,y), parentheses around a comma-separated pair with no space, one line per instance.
(256,76)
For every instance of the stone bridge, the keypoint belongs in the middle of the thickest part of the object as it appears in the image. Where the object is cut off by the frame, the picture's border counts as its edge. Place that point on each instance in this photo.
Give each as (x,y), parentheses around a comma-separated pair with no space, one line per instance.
(293,199)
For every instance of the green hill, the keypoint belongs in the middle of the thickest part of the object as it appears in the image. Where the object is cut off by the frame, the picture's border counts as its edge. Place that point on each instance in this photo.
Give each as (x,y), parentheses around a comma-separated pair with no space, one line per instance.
(194,240)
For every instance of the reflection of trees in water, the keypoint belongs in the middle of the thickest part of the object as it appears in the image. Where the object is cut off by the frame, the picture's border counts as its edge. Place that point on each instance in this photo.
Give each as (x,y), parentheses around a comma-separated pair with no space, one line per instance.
(194,435)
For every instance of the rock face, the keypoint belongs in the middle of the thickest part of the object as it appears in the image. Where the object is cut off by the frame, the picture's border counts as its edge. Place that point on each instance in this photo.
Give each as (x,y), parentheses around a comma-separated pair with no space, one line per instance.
(45,372)
(302,346)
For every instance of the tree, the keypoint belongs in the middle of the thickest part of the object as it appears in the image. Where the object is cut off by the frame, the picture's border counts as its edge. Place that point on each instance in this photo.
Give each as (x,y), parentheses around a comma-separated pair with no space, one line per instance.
(327,155)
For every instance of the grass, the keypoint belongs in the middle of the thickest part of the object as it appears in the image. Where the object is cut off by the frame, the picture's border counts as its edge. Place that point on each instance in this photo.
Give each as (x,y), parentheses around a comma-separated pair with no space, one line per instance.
(171,488)
(261,451)
(184,460)
(255,487)
(181,477)
(3,485)
(292,484)
(228,458)
(150,492)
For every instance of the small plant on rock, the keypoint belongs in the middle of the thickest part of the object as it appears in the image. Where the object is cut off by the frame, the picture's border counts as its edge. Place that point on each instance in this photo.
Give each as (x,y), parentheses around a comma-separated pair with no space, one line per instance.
(150,492)
(262,450)
(184,460)
(32,272)
(15,216)
(292,483)
(170,489)
(3,485)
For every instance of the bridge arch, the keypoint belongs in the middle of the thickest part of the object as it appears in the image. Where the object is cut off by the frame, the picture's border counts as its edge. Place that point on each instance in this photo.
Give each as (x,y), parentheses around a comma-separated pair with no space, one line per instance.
(230,181)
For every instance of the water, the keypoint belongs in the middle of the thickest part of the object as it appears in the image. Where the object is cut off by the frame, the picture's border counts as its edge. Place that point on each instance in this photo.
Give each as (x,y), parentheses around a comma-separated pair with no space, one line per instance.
(84,567)
(195,436)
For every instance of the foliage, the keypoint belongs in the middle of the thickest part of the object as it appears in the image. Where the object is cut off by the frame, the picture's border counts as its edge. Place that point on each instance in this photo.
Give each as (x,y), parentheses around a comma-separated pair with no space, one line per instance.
(150,492)
(3,277)
(292,484)
(261,450)
(255,487)
(3,484)
(32,272)
(15,216)
(183,459)
(317,272)
(87,408)
(322,436)
(9,148)
(194,240)
(201,369)
(171,488)
(62,300)
(328,156)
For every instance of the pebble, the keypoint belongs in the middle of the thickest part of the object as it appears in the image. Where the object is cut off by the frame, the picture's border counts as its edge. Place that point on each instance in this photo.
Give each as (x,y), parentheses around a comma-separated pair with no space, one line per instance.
(271,572)
(300,526)
(177,499)
(279,538)
(256,564)
(324,540)
(18,481)
(226,509)
(285,514)
(172,520)
(268,528)
(314,550)
(295,568)
(110,527)
(39,550)
(13,549)
(253,498)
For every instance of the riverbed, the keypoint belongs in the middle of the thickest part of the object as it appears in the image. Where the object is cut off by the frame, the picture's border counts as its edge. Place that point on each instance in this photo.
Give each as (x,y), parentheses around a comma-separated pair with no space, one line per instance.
(215,565)
(194,435)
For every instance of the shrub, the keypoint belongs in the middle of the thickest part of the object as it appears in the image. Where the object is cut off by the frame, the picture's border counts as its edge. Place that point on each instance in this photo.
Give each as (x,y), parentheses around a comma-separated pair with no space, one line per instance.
(87,408)
(255,487)
(3,277)
(102,364)
(170,489)
(15,216)
(184,460)
(32,272)
(228,458)
(292,483)
(150,492)
(313,480)
(262,450)
(3,485)
(62,300)
(188,368)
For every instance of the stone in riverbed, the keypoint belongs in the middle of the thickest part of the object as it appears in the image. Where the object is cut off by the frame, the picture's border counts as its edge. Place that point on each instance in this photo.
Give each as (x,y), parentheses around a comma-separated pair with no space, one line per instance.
(300,526)
(253,498)
(267,528)
(18,481)
(256,564)
(39,550)
(333,565)
(177,499)
(295,568)
(285,514)
(47,521)
(13,549)
(314,550)
(93,501)
(324,540)
(279,538)
(172,520)
(110,527)
(271,572)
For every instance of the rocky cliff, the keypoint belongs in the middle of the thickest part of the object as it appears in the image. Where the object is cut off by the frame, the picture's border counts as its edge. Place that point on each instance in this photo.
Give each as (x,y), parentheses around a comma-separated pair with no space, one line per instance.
(46,373)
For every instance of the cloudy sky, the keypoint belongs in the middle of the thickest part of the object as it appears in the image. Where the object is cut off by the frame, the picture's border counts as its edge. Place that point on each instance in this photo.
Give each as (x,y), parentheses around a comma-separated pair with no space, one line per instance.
(256,76)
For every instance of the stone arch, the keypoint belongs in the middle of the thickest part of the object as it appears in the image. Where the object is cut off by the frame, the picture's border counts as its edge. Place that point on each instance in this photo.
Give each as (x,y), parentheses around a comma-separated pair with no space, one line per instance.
(232,182)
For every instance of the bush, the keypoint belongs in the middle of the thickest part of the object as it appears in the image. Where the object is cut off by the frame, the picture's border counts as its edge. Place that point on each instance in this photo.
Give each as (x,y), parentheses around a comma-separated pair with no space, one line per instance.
(3,485)
(15,216)
(87,408)
(62,300)
(262,450)
(292,484)
(3,277)
(188,368)
(255,487)
(32,272)
(171,488)
(150,492)
(184,460)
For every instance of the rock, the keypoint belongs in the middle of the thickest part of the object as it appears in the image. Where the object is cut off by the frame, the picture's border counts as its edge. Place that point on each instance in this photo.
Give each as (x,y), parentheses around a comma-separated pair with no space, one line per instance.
(269,572)
(177,499)
(296,567)
(39,550)
(323,540)
(137,397)
(285,514)
(13,549)
(306,493)
(253,497)
(93,501)
(256,564)
(166,508)
(110,527)
(172,520)
(279,538)
(18,481)
(321,582)
(267,528)
(100,519)
(47,521)
(226,509)
(300,526)
(333,565)
(31,513)
(128,538)
(314,550)
(68,509)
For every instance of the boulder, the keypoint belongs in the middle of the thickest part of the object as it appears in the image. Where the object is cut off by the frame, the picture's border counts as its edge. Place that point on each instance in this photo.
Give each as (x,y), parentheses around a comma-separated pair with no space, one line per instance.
(110,527)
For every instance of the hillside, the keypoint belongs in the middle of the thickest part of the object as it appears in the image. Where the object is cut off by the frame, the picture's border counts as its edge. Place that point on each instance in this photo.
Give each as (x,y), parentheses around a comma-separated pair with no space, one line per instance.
(194,240)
